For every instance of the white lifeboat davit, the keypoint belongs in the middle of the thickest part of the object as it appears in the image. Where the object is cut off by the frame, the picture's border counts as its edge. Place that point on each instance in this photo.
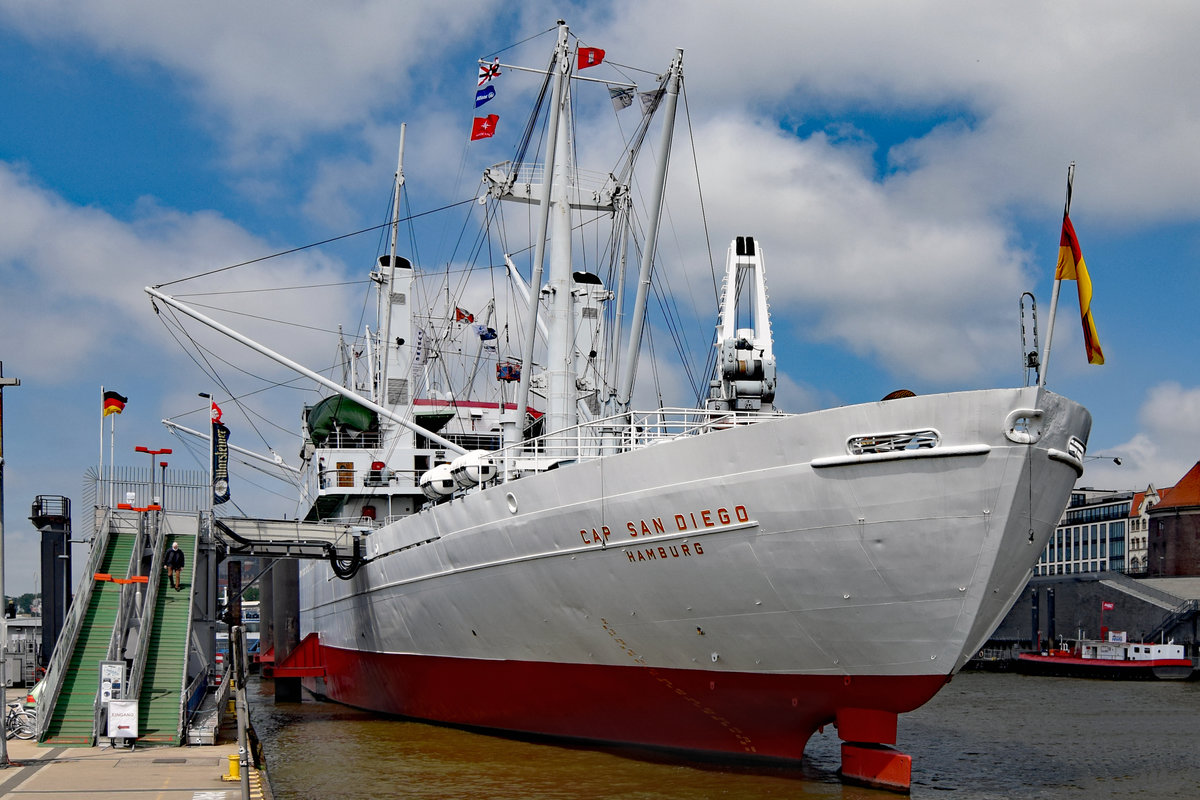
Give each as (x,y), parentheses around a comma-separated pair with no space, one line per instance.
(473,468)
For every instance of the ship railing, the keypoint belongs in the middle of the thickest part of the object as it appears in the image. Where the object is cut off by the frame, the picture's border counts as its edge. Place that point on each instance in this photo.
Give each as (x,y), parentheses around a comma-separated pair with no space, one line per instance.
(334,478)
(618,434)
(528,175)
(352,521)
(339,439)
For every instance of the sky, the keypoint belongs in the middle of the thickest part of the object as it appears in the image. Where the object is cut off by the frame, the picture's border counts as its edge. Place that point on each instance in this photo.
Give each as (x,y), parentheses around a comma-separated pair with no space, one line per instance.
(903,166)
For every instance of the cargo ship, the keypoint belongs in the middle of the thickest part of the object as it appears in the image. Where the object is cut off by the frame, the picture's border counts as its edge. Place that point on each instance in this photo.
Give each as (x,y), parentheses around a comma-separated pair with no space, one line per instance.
(539,557)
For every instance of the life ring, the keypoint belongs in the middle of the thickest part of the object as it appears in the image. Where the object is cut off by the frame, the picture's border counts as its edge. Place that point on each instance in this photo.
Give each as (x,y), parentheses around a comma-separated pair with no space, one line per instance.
(38,674)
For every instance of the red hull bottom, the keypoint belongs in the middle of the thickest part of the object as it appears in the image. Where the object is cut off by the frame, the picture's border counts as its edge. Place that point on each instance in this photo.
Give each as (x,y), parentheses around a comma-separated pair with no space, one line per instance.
(748,715)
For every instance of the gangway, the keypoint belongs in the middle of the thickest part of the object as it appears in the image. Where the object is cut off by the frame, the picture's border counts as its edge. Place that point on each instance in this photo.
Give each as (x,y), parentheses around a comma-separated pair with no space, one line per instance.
(161,686)
(127,612)
(339,543)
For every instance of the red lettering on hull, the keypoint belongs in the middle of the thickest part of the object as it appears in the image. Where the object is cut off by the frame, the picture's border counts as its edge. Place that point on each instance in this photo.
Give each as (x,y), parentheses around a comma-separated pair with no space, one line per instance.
(705,518)
(666,552)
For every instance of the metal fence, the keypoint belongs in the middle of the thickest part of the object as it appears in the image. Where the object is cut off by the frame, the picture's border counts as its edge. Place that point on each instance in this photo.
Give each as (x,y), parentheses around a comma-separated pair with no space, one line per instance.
(176,489)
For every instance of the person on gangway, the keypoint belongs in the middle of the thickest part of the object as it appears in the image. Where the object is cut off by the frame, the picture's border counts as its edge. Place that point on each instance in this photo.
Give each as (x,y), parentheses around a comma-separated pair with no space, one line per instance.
(174,565)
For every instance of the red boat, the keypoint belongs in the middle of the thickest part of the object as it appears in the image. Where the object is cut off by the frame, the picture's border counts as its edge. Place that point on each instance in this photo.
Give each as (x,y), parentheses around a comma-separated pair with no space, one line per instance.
(1112,659)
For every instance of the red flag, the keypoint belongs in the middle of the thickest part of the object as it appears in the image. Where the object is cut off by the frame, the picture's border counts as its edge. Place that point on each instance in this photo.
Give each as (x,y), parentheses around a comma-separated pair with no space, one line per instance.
(215,412)
(590,57)
(462,315)
(1072,268)
(1107,606)
(484,127)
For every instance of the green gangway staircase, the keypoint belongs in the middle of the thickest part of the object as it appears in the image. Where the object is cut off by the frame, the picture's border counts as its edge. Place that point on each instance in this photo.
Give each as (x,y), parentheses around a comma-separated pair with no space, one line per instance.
(73,720)
(160,710)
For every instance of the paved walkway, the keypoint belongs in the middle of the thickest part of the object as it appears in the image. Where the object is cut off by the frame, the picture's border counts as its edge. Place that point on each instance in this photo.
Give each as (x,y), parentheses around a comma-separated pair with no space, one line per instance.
(163,773)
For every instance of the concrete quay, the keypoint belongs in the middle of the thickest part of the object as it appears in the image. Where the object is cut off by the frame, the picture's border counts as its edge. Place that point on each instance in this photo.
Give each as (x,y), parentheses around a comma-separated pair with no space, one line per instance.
(164,773)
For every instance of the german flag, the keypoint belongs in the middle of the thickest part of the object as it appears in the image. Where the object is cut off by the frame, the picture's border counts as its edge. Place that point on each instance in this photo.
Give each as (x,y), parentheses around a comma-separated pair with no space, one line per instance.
(1072,268)
(114,403)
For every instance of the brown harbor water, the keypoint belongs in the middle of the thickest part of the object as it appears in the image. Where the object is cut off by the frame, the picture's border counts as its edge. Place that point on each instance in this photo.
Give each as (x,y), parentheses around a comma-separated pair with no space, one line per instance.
(984,736)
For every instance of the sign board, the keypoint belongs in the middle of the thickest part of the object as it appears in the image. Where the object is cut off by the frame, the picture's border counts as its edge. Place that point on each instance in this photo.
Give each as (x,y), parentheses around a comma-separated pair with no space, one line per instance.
(112,681)
(123,719)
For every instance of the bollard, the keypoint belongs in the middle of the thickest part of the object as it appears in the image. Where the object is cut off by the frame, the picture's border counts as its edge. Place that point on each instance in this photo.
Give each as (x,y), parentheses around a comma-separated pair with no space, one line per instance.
(234,769)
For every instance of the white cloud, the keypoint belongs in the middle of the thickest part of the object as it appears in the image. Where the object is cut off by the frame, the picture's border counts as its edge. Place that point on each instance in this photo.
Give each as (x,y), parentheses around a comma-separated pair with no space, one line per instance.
(73,277)
(272,70)
(863,264)
(1162,452)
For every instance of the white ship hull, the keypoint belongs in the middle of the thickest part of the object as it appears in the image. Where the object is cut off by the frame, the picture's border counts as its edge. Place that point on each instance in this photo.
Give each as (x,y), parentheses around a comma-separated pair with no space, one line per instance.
(726,592)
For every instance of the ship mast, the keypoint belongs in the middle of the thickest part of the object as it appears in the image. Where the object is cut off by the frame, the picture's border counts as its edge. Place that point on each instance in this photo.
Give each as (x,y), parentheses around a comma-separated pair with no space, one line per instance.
(637,322)
(562,67)
(559,194)
(561,410)
(388,281)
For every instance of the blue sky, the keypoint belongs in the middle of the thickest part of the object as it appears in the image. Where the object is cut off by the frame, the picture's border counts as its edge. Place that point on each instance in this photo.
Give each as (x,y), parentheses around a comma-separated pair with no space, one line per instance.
(903,166)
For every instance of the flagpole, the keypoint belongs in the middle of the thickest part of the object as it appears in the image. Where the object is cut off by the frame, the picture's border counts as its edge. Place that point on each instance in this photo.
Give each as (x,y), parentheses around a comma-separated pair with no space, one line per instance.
(112,447)
(100,474)
(4,762)
(1057,284)
(211,403)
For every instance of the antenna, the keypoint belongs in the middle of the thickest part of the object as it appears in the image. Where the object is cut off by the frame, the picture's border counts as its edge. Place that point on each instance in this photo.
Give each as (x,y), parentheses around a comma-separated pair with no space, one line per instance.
(1030,361)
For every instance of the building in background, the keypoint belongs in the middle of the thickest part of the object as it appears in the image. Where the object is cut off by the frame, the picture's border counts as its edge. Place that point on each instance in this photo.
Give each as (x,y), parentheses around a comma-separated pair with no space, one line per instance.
(1139,528)
(1173,547)
(1091,536)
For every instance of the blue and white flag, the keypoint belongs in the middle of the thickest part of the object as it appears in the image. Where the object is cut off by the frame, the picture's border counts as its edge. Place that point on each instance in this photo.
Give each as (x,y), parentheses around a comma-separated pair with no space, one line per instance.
(484,94)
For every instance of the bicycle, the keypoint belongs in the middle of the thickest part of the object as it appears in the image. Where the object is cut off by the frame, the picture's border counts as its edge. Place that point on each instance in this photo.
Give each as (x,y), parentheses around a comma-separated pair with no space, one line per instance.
(20,722)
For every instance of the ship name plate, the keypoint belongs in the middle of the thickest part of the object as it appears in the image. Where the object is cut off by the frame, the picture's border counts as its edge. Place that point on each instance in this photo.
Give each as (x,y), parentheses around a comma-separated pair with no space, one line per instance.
(670,524)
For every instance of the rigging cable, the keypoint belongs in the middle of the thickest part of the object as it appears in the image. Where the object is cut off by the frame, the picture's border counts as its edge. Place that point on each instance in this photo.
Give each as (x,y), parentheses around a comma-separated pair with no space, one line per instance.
(309,246)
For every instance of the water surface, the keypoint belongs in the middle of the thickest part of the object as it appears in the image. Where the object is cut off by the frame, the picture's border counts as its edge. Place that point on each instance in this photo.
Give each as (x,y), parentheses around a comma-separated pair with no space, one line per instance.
(983,736)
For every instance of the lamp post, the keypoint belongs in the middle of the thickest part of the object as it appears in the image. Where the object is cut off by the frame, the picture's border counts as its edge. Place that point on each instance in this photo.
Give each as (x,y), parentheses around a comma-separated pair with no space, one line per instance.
(153,453)
(163,501)
(3,621)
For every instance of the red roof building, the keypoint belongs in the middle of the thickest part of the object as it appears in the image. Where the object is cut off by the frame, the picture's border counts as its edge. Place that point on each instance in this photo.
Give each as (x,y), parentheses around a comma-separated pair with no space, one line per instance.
(1173,547)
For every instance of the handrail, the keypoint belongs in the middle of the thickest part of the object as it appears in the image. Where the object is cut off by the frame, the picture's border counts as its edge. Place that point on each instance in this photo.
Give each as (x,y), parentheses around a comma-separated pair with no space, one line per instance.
(117,637)
(68,638)
(1174,617)
(184,686)
(623,432)
(149,609)
(617,434)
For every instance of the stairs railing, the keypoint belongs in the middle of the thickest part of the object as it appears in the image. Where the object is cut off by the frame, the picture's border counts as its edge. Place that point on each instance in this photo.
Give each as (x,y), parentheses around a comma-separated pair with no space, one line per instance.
(149,608)
(1183,612)
(184,688)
